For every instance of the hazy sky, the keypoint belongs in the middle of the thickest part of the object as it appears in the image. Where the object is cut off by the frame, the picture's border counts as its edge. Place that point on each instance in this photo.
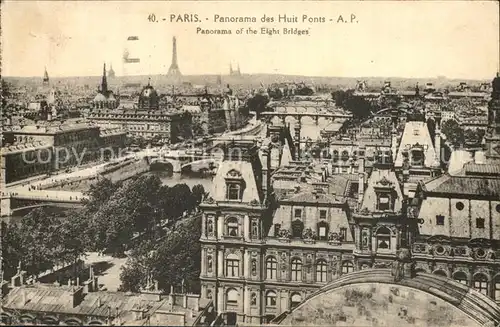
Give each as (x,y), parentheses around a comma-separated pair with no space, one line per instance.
(457,39)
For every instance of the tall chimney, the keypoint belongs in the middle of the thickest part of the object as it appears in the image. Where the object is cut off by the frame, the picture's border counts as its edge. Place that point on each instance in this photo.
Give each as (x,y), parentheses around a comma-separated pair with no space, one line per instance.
(437,144)
(361,179)
(297,142)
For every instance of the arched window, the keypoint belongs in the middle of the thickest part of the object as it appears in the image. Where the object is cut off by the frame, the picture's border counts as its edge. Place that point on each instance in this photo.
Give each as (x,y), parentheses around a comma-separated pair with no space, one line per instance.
(232,297)
(271,267)
(232,265)
(347,267)
(383,238)
(297,228)
(321,271)
(481,283)
(73,322)
(345,155)
(232,227)
(440,272)
(323,230)
(296,269)
(295,300)
(271,298)
(417,157)
(496,290)
(461,277)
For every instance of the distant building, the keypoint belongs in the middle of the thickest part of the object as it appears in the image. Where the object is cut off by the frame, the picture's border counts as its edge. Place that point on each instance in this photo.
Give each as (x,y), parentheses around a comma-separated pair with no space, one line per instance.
(234,72)
(111,72)
(147,119)
(52,145)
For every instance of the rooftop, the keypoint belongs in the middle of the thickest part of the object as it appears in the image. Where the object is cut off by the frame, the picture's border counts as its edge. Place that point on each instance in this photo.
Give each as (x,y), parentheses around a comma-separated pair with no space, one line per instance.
(464,185)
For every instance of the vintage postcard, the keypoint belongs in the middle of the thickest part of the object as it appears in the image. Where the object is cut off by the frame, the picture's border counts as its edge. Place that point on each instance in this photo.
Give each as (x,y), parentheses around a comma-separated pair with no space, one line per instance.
(250,163)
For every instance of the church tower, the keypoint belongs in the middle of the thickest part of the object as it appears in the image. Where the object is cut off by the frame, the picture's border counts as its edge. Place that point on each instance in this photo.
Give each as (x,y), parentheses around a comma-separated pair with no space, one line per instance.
(104,81)
(173,71)
(111,72)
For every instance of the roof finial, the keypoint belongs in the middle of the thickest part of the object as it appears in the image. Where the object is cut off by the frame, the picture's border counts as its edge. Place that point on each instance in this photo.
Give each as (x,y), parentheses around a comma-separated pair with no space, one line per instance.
(149,81)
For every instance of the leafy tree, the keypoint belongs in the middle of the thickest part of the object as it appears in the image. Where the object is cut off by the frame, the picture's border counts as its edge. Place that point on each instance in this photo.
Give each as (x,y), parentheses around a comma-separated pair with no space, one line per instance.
(180,249)
(257,103)
(139,265)
(358,106)
(99,193)
(453,132)
(11,248)
(42,240)
(198,193)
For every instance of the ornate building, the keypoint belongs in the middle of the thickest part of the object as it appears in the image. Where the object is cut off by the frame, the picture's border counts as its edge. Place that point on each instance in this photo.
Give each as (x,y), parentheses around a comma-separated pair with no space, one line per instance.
(268,243)
(105,98)
(274,234)
(418,157)
(148,119)
(51,146)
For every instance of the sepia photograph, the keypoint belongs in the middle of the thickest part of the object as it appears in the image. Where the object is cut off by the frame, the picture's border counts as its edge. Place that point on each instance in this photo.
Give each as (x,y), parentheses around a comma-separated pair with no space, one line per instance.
(250,163)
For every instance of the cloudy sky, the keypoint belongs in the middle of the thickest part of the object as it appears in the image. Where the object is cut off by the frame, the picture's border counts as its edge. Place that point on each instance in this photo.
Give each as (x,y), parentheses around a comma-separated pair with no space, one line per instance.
(457,39)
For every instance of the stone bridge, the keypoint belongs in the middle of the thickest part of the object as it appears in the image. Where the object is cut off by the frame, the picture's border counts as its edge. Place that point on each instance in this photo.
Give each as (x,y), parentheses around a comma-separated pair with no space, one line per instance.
(22,199)
(373,296)
(298,115)
(180,160)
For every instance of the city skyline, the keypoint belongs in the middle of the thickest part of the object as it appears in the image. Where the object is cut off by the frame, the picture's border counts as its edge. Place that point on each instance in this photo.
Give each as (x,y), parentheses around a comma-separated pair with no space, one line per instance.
(390,39)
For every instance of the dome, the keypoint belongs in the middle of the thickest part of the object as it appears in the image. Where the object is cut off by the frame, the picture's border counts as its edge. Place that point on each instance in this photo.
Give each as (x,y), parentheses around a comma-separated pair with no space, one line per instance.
(99,98)
(148,91)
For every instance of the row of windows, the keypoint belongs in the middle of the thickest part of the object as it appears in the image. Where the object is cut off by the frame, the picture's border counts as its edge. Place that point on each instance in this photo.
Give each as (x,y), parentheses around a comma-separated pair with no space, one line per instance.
(232,298)
(321,268)
(460,206)
(479,282)
(298,214)
(322,230)
(479,221)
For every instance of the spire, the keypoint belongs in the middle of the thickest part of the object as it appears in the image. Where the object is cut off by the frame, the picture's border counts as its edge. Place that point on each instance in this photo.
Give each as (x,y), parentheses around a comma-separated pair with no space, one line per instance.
(104,83)
(230,69)
(239,69)
(45,76)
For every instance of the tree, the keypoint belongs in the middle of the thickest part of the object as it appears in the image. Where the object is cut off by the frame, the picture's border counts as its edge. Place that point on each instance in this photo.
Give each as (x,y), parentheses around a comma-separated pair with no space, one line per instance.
(198,193)
(99,193)
(257,103)
(181,249)
(453,132)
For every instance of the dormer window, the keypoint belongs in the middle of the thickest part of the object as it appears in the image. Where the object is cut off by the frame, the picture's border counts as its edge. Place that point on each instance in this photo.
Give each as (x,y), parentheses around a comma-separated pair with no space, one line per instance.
(234,185)
(323,230)
(233,191)
(384,202)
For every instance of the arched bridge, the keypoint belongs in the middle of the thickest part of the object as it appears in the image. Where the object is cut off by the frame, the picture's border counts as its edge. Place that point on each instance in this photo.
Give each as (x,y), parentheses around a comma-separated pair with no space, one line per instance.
(268,115)
(374,295)
(182,159)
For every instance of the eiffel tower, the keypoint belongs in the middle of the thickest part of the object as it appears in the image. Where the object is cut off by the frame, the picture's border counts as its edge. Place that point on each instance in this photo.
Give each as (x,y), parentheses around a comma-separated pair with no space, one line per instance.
(173,71)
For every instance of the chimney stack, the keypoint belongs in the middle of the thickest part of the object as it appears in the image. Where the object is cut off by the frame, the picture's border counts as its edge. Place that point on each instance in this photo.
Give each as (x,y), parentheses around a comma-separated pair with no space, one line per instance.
(361,179)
